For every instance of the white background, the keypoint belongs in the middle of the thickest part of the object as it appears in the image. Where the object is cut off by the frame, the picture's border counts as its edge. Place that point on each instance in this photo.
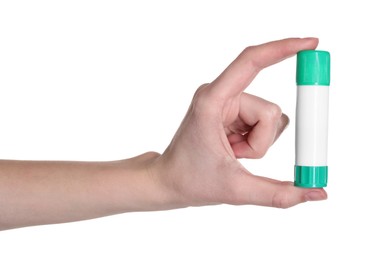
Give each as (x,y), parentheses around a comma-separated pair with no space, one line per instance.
(106,80)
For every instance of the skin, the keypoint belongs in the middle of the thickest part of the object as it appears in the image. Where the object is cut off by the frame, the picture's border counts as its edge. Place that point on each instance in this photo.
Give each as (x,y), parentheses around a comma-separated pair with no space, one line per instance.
(199,167)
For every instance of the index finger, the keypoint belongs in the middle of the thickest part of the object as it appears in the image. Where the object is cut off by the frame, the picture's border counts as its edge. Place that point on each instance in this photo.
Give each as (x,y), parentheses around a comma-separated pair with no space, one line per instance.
(241,72)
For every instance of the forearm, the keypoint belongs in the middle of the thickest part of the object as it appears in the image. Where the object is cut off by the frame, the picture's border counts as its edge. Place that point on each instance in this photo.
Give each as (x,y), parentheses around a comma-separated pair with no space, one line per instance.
(36,193)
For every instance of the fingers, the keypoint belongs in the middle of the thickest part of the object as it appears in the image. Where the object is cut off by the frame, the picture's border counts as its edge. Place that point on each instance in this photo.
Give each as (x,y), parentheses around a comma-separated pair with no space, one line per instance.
(267,192)
(266,123)
(239,74)
(282,125)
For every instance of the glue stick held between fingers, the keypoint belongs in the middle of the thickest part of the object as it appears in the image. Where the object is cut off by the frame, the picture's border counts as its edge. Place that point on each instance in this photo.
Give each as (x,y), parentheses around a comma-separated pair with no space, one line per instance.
(311,137)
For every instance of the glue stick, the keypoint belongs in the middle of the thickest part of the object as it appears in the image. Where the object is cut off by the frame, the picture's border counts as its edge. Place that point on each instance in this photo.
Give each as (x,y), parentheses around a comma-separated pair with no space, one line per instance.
(311,134)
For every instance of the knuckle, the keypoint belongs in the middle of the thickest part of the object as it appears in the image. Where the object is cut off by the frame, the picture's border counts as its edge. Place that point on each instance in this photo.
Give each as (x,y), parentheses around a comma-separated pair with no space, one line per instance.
(280,201)
(249,54)
(200,95)
(202,102)
(281,198)
(200,92)
(247,50)
(273,112)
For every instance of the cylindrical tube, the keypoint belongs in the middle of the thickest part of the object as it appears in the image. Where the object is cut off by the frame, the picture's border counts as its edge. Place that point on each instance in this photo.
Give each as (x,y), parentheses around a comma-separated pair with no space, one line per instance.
(311,137)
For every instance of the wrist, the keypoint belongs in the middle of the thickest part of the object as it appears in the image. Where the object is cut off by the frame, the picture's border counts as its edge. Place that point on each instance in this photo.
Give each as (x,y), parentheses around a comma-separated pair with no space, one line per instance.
(164,191)
(145,185)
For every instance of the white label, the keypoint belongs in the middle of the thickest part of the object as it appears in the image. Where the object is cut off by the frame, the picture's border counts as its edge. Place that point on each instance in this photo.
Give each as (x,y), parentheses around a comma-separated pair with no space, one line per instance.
(311,137)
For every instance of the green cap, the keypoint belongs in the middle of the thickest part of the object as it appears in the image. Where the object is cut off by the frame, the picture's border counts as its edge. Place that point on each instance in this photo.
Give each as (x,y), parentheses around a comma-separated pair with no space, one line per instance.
(313,68)
(310,176)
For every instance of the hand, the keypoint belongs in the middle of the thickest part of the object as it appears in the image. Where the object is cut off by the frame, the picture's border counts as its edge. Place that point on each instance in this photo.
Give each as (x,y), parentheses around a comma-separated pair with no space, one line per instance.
(223,123)
(199,167)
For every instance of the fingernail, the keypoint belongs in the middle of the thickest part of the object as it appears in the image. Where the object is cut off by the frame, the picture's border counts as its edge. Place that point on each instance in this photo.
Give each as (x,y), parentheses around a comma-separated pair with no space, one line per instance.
(315,195)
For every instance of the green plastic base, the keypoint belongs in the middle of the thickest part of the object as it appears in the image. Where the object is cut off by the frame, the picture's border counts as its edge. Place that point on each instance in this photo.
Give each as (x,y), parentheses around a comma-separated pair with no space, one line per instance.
(310,176)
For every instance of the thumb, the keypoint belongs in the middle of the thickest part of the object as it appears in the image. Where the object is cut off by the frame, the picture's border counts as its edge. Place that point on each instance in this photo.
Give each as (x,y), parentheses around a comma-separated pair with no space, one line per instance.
(264,191)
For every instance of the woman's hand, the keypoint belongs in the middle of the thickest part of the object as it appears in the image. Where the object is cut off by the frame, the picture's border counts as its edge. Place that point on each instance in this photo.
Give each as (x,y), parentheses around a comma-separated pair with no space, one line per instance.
(223,123)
